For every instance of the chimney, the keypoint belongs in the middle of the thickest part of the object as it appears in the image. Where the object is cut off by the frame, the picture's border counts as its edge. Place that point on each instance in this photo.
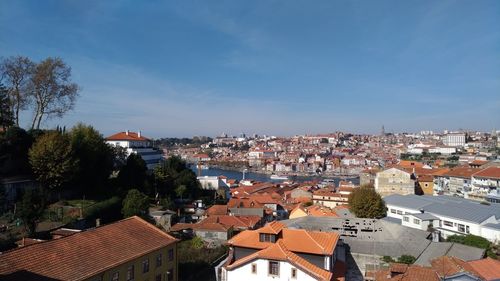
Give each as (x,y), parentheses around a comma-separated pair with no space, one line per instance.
(126,132)
(422,211)
(139,133)
(97,222)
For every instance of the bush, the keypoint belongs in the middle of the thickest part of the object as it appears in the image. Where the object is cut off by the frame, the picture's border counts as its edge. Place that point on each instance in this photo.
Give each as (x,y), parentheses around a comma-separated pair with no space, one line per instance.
(470,240)
(387,259)
(108,210)
(407,259)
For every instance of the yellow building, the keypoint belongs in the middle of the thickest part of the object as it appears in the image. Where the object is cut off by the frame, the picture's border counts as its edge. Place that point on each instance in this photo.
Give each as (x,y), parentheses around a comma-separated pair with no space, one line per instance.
(130,249)
(426,184)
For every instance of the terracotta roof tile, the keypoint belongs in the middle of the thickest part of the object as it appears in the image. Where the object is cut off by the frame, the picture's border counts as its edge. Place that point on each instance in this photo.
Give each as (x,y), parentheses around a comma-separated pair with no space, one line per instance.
(82,255)
(490,172)
(488,269)
(131,136)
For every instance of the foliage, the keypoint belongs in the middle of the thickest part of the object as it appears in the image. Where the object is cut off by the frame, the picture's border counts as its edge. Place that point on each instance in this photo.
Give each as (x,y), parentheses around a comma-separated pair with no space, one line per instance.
(31,209)
(470,240)
(17,72)
(53,92)
(133,173)
(135,204)
(52,160)
(173,173)
(167,203)
(408,259)
(195,141)
(196,263)
(6,115)
(14,147)
(388,259)
(95,159)
(180,190)
(365,202)
(197,242)
(108,210)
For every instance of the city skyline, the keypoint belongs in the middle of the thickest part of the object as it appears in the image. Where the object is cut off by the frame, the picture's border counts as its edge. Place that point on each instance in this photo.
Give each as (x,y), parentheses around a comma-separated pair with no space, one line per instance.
(276,68)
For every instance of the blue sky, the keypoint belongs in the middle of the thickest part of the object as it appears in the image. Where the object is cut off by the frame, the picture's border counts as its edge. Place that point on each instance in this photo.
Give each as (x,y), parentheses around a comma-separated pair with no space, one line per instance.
(189,68)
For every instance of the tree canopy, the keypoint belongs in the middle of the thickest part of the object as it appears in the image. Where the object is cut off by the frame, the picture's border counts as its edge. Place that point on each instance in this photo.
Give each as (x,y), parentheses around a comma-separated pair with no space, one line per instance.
(52,160)
(365,202)
(135,203)
(30,209)
(133,173)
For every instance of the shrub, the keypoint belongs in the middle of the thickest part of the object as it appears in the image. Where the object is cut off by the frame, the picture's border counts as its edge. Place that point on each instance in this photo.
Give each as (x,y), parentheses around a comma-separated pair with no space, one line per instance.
(407,259)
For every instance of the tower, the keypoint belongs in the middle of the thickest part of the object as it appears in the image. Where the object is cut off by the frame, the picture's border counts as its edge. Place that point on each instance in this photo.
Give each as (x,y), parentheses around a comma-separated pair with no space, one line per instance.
(382,133)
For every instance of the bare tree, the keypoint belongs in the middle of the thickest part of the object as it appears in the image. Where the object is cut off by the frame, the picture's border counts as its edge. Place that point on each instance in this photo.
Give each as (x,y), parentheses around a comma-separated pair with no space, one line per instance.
(17,72)
(53,92)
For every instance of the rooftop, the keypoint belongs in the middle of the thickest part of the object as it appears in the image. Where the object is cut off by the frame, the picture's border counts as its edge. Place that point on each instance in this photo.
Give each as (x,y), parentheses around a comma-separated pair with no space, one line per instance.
(85,254)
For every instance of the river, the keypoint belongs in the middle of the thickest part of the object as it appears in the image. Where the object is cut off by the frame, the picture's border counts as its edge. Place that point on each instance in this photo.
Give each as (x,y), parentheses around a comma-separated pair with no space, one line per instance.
(261,177)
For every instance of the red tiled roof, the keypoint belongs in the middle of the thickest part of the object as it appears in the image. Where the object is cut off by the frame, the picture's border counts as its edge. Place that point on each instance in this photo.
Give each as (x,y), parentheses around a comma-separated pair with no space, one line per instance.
(131,136)
(490,173)
(85,254)
(216,210)
(488,269)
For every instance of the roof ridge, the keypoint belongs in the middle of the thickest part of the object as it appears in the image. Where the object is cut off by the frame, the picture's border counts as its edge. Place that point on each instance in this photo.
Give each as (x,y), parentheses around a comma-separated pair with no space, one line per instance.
(308,234)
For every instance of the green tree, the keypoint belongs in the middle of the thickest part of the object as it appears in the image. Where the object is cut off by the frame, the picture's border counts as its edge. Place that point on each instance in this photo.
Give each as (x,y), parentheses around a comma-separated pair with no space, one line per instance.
(14,146)
(95,159)
(31,209)
(52,160)
(133,173)
(365,202)
(172,173)
(407,259)
(6,116)
(470,240)
(180,190)
(135,203)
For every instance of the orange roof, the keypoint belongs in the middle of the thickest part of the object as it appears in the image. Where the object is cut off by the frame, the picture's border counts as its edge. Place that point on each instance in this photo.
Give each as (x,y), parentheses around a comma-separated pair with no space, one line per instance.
(462,172)
(425,178)
(407,163)
(490,172)
(320,211)
(216,210)
(297,240)
(488,269)
(279,251)
(85,254)
(403,272)
(130,136)
(446,266)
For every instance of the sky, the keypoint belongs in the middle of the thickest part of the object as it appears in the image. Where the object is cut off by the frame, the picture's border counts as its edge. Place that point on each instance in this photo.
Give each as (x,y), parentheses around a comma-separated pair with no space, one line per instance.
(185,68)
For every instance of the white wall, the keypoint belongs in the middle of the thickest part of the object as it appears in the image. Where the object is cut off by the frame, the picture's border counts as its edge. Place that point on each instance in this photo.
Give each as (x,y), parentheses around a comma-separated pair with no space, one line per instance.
(285,272)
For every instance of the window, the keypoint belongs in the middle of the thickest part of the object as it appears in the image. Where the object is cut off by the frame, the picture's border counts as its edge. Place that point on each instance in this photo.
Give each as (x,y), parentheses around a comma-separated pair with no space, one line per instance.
(158,260)
(448,223)
(130,273)
(467,229)
(170,254)
(399,212)
(265,237)
(116,276)
(406,219)
(461,227)
(393,211)
(294,273)
(145,266)
(416,221)
(158,277)
(170,275)
(274,268)
(254,268)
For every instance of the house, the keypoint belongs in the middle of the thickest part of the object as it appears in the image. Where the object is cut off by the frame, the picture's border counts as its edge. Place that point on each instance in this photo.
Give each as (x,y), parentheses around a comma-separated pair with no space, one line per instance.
(456,181)
(485,182)
(426,184)
(275,252)
(448,215)
(394,181)
(138,144)
(313,210)
(212,232)
(125,250)
(329,198)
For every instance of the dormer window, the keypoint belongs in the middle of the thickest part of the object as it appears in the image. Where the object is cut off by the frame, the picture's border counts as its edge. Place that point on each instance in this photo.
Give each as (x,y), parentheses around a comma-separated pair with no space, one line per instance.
(266,237)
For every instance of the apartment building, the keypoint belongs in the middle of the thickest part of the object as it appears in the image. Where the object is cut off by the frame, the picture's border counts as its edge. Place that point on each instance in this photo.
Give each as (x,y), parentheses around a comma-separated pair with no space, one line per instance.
(138,144)
(447,214)
(394,181)
(130,249)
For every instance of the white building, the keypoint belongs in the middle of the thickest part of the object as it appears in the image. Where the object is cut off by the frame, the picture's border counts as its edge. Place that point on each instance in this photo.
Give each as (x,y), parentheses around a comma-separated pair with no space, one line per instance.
(138,144)
(454,139)
(275,252)
(449,215)
(213,182)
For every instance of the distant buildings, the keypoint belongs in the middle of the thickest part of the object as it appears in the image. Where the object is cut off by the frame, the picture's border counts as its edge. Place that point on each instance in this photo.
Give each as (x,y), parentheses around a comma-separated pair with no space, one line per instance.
(130,249)
(138,144)
(454,139)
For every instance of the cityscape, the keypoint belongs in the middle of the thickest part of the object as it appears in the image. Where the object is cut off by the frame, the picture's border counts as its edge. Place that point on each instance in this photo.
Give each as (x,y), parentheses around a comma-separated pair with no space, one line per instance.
(232,140)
